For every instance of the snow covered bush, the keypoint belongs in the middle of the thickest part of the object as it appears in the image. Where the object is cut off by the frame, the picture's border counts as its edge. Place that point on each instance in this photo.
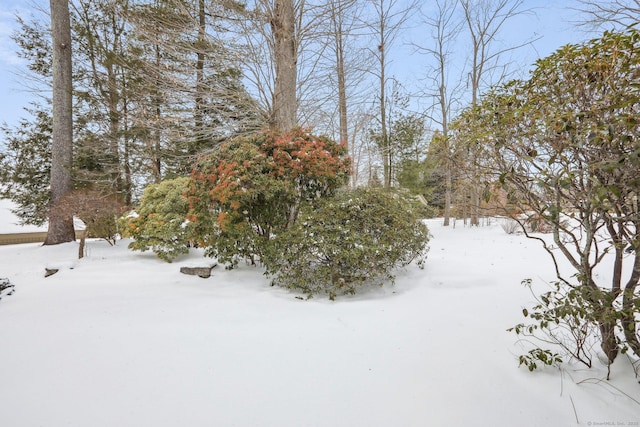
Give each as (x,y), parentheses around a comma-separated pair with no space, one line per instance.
(510,226)
(565,317)
(340,243)
(6,288)
(252,188)
(159,223)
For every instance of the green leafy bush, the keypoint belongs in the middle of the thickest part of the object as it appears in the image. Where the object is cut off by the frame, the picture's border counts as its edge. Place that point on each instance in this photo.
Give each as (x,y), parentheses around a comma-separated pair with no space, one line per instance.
(568,318)
(538,355)
(340,243)
(159,223)
(252,187)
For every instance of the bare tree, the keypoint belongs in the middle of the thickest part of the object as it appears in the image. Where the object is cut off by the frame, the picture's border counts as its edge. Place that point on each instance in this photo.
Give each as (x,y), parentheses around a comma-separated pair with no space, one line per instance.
(338,9)
(361,148)
(445,26)
(61,226)
(390,17)
(345,78)
(484,20)
(608,14)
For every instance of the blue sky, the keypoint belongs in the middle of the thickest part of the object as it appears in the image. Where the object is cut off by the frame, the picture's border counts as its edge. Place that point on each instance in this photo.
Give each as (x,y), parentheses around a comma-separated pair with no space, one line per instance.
(12,97)
(552,24)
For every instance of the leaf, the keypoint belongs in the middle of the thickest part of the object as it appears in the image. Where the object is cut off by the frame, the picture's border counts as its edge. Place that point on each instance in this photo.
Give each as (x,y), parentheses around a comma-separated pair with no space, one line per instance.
(502,177)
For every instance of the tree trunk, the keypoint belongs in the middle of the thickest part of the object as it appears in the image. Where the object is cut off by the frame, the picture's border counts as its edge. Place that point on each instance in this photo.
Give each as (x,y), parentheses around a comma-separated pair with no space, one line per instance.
(383,108)
(628,321)
(284,114)
(609,344)
(126,155)
(444,111)
(60,222)
(83,240)
(199,136)
(342,84)
(475,202)
(447,195)
(155,148)
(113,100)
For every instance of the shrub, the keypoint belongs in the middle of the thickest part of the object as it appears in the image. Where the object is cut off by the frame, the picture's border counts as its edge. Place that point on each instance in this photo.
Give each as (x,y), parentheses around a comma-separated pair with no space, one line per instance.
(98,210)
(252,187)
(341,243)
(159,223)
(566,317)
(510,226)
(6,288)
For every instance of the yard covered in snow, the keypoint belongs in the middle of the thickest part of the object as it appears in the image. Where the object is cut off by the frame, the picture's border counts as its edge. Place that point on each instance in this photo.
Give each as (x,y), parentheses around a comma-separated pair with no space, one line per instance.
(121,338)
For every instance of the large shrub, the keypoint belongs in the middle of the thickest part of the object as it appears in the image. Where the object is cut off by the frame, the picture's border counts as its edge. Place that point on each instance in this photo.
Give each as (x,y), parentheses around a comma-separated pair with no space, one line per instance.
(252,187)
(340,243)
(159,223)
(564,146)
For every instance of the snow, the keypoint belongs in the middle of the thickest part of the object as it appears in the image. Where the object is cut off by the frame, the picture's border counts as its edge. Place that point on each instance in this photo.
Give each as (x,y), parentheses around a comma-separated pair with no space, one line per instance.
(10,223)
(121,338)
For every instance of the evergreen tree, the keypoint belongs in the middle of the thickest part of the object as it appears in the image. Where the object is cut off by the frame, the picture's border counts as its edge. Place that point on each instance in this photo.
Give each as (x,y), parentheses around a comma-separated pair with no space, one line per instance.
(151,92)
(25,165)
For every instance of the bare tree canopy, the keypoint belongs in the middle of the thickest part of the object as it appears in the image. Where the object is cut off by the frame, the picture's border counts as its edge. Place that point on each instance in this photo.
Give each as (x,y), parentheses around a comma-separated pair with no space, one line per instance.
(610,14)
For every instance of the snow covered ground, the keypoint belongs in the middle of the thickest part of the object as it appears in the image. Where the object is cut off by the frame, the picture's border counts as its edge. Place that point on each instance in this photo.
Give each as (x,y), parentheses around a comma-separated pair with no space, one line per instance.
(121,338)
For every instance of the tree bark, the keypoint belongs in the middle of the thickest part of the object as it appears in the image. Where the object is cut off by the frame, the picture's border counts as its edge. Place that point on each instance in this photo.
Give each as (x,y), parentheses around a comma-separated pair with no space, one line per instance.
(284,114)
(484,19)
(629,312)
(61,222)
(382,33)
(199,98)
(336,17)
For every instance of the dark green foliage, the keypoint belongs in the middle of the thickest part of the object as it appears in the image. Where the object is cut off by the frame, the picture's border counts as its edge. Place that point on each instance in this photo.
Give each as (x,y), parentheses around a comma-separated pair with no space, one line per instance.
(537,355)
(159,223)
(103,226)
(424,180)
(566,317)
(252,188)
(25,164)
(341,243)
(235,202)
(404,142)
(6,288)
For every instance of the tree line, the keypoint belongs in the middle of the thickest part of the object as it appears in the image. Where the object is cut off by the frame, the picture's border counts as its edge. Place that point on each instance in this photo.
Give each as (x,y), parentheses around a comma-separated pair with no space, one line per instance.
(157,83)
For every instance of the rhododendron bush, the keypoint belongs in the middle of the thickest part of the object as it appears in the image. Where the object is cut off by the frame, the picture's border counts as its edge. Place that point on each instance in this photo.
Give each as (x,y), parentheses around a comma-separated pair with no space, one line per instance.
(159,223)
(252,187)
(341,243)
